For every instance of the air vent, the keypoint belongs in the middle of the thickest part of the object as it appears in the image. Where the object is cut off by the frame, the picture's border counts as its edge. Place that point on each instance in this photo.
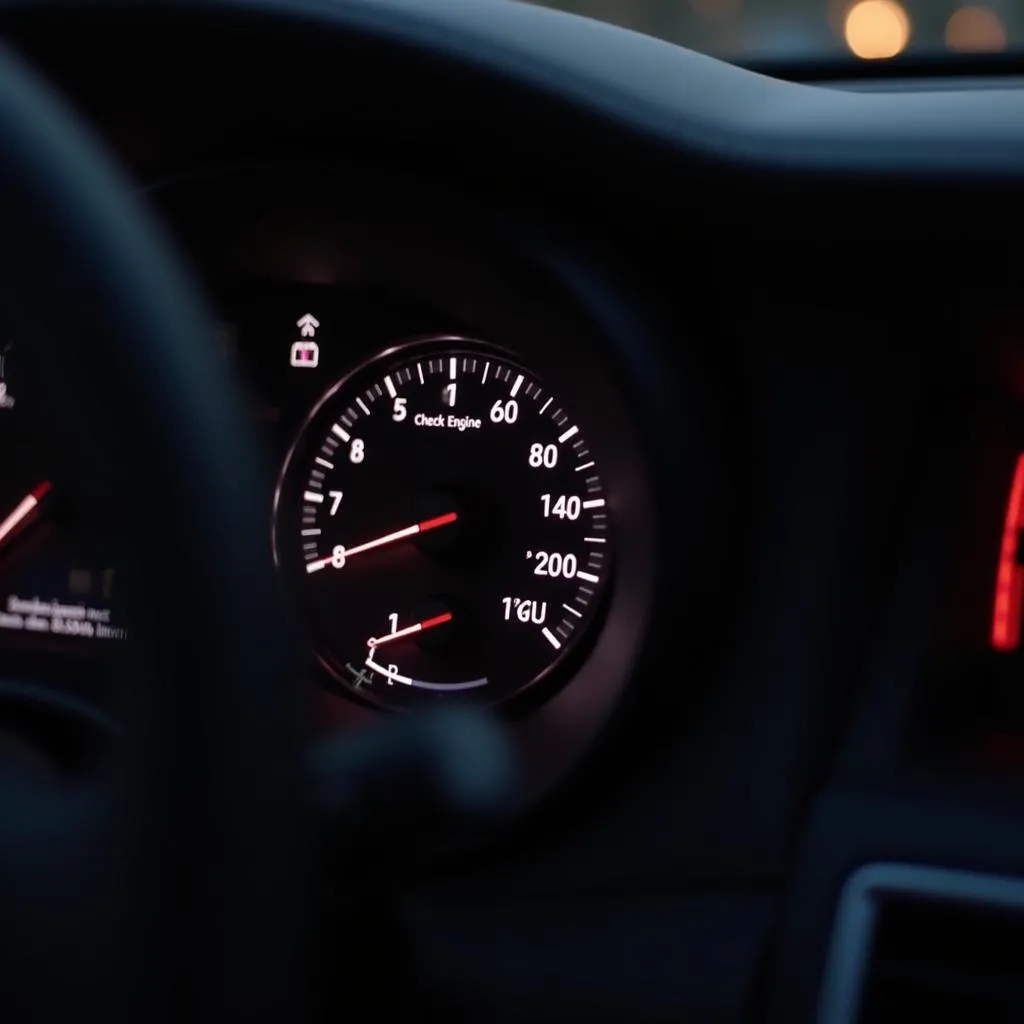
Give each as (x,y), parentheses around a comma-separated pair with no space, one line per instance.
(915,943)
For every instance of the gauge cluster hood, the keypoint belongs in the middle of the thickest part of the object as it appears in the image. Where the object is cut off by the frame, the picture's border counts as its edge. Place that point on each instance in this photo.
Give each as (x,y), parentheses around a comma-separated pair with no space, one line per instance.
(698,104)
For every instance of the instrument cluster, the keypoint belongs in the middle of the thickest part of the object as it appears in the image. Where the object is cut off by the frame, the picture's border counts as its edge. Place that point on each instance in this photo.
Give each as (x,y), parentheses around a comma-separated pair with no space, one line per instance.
(458,499)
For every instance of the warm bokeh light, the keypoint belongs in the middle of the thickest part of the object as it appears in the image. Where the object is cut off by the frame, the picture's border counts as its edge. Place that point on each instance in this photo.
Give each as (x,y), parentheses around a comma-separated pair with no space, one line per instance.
(876,29)
(975,29)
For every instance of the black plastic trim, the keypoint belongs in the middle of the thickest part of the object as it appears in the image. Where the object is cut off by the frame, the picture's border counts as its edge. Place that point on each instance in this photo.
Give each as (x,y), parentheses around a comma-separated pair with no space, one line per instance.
(858,913)
(696,104)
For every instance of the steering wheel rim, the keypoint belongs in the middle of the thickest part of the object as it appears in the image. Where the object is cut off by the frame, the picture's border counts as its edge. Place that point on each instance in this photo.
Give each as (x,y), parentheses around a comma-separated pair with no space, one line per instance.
(190,882)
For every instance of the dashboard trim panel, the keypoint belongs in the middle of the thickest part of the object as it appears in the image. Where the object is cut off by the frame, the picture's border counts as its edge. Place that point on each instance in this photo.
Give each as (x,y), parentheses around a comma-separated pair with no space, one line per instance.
(858,911)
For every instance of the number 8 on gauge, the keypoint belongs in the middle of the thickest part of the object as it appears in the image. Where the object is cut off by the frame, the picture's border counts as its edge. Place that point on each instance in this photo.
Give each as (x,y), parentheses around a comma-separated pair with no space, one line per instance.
(442,526)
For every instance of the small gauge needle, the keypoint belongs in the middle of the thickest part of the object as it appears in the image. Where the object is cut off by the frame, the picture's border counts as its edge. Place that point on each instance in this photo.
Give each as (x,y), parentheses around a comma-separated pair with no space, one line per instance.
(419,627)
(388,538)
(23,510)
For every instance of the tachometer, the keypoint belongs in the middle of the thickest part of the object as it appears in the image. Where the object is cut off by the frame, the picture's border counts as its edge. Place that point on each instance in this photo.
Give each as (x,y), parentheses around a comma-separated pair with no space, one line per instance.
(444,527)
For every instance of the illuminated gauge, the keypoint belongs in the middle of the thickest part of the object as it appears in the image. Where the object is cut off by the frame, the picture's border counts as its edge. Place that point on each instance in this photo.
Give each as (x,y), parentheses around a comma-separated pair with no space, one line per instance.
(1007,612)
(443,526)
(55,587)
(25,493)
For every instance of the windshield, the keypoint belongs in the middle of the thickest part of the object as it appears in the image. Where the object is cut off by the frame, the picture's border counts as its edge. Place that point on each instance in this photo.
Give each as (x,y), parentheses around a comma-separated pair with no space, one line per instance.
(764,30)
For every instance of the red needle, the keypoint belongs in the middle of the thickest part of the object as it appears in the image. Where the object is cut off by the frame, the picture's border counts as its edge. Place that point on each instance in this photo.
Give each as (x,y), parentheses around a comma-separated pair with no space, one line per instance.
(420,627)
(23,510)
(388,538)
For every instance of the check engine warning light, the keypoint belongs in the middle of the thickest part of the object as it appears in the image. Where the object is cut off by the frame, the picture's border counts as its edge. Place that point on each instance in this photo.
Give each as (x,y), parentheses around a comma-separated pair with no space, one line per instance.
(305,353)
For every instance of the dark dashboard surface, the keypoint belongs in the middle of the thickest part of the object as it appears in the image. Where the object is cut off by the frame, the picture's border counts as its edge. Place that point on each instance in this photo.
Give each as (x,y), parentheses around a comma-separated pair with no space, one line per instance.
(789,322)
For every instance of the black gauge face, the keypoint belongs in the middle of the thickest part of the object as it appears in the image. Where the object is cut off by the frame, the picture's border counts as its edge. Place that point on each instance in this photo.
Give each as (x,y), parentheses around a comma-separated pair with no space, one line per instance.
(444,528)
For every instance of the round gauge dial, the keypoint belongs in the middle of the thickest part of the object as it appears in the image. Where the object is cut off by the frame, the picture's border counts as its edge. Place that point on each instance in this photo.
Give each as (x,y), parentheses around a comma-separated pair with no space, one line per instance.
(443,525)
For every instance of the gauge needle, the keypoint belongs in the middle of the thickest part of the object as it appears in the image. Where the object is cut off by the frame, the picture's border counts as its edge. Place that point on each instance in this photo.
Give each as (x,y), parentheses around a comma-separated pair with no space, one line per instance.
(25,508)
(419,627)
(388,538)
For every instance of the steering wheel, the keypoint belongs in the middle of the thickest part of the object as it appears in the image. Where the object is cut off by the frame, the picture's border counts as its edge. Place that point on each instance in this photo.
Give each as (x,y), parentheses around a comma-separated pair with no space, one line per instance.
(175,886)
(141,901)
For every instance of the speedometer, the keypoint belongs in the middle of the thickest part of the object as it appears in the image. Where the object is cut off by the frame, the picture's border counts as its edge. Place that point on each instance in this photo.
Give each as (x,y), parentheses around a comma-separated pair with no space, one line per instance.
(443,527)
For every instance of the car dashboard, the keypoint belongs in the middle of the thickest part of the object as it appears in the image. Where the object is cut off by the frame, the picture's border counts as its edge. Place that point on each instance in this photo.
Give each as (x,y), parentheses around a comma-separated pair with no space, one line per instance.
(679,423)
